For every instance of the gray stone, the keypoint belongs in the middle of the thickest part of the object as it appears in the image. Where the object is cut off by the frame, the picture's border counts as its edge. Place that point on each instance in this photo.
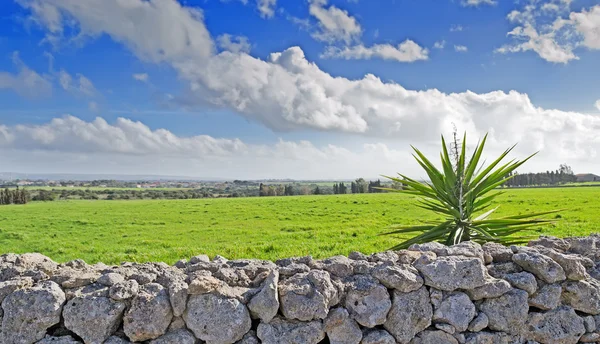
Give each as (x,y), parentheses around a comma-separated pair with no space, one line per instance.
(7,287)
(452,272)
(456,310)
(217,320)
(499,270)
(149,315)
(480,322)
(367,301)
(249,338)
(550,242)
(434,337)
(339,266)
(341,329)
(175,337)
(558,326)
(29,312)
(124,290)
(436,296)
(36,261)
(522,280)
(541,266)
(589,323)
(204,285)
(110,278)
(445,327)
(178,294)
(498,252)
(398,277)
(177,323)
(58,340)
(583,245)
(491,289)
(410,314)
(590,338)
(280,331)
(201,258)
(492,338)
(265,304)
(94,319)
(571,264)
(547,297)
(583,296)
(354,255)
(508,312)
(377,337)
(307,296)
(116,340)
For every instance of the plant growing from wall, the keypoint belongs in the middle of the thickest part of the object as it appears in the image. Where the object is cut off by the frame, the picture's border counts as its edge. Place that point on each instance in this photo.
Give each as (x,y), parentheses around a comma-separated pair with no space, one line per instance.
(459,191)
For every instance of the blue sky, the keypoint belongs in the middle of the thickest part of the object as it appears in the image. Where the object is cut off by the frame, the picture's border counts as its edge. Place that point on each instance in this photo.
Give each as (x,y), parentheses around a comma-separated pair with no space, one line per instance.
(293,89)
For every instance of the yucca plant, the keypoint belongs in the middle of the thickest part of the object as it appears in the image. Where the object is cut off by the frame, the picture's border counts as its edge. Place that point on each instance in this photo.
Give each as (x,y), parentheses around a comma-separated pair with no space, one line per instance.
(459,191)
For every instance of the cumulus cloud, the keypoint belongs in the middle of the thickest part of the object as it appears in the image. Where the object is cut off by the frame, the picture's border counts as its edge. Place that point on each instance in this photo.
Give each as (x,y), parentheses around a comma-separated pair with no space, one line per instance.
(288,92)
(80,85)
(407,51)
(597,104)
(334,24)
(266,8)
(439,44)
(235,44)
(461,48)
(26,82)
(143,77)
(588,24)
(478,2)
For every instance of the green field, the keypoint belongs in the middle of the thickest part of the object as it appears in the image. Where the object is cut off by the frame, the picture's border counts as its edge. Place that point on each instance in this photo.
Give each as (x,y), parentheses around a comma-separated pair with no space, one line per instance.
(268,227)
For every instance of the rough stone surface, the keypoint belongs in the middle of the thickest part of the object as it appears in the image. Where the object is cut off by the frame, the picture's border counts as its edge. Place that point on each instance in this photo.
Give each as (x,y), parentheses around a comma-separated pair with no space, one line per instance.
(94,319)
(378,337)
(411,313)
(491,289)
(480,322)
(307,296)
(29,312)
(398,277)
(456,310)
(508,312)
(58,340)
(265,304)
(280,331)
(368,302)
(452,272)
(522,280)
(217,320)
(541,266)
(561,326)
(434,337)
(175,337)
(583,296)
(124,290)
(178,294)
(149,315)
(547,297)
(341,329)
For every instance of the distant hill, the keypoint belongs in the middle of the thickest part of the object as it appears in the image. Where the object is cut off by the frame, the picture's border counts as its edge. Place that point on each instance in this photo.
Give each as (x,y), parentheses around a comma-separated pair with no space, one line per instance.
(587,177)
(86,177)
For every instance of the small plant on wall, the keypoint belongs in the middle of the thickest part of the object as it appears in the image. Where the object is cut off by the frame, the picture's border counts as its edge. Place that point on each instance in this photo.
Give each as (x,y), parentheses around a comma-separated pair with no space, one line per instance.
(460,190)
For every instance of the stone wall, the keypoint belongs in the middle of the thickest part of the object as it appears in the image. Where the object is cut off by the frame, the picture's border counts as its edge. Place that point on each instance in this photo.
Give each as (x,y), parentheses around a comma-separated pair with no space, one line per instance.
(547,292)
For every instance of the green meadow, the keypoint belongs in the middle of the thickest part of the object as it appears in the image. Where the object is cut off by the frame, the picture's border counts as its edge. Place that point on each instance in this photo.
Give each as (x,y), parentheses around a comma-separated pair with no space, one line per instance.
(265,228)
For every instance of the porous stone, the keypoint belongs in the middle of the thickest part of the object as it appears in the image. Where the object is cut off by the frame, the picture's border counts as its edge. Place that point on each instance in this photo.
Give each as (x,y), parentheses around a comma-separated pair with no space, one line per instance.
(181,336)
(110,279)
(265,304)
(216,319)
(583,296)
(94,319)
(280,331)
(149,315)
(410,314)
(589,323)
(401,278)
(550,242)
(491,289)
(452,272)
(541,266)
(508,312)
(445,327)
(522,280)
(571,264)
(560,326)
(480,322)
(378,337)
(204,285)
(116,340)
(178,294)
(499,270)
(367,301)
(201,258)
(456,310)
(493,338)
(124,290)
(58,340)
(249,338)
(340,328)
(498,252)
(339,266)
(547,297)
(307,296)
(30,311)
(434,337)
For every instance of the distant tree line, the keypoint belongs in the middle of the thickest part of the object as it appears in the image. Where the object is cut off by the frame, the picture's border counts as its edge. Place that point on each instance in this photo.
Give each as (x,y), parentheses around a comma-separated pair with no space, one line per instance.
(358,186)
(561,176)
(16,196)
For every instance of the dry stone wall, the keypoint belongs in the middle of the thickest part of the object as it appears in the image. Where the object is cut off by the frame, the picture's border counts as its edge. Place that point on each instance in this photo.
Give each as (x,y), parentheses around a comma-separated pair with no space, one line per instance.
(546,292)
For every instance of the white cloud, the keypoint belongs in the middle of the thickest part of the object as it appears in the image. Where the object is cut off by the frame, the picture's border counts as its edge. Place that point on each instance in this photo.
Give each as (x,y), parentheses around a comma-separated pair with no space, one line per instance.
(288,92)
(587,23)
(461,48)
(456,28)
(81,85)
(266,8)
(439,44)
(477,2)
(27,82)
(597,104)
(143,77)
(407,51)
(234,44)
(334,24)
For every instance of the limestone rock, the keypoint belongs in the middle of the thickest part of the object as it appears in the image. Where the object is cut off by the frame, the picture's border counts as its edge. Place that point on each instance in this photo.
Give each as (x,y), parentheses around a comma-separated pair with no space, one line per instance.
(265,304)
(201,258)
(508,312)
(480,322)
(116,340)
(340,328)
(445,327)
(175,337)
(558,326)
(547,297)
(367,301)
(110,279)
(456,310)
(339,266)
(29,312)
(452,272)
(398,277)
(499,253)
(590,323)
(124,290)
(583,296)
(36,261)
(94,319)
(522,280)
(543,267)
(204,285)
(550,242)
(307,296)
(499,270)
(280,331)
(491,289)
(434,337)
(149,315)
(492,338)
(249,338)
(572,265)
(178,294)
(58,340)
(410,314)
(216,319)
(377,337)
(590,338)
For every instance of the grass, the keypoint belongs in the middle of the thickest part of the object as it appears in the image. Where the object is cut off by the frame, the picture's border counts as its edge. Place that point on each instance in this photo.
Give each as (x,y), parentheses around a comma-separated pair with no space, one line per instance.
(267,228)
